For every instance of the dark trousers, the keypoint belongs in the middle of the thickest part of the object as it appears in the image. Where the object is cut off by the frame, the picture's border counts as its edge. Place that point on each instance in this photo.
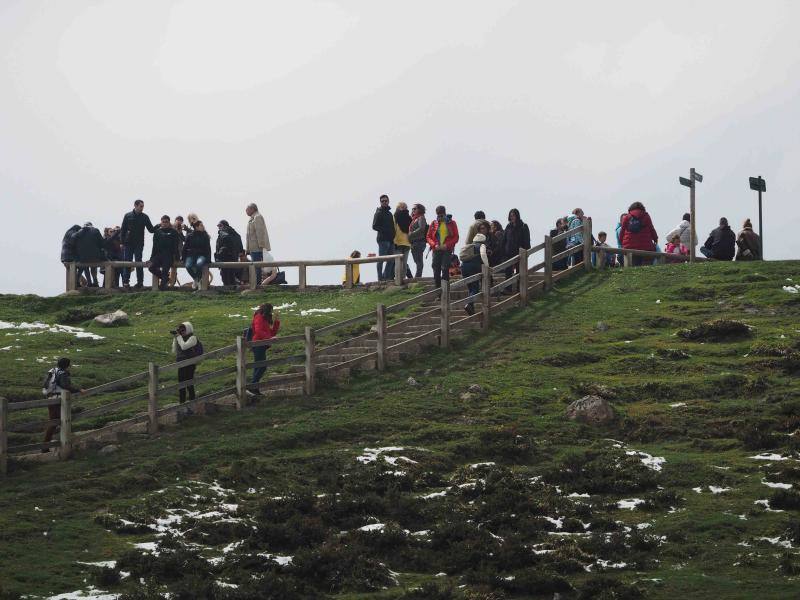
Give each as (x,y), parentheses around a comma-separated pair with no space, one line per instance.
(185,374)
(259,354)
(160,266)
(385,248)
(441,266)
(469,268)
(133,253)
(228,276)
(53,412)
(510,272)
(257,257)
(418,254)
(91,276)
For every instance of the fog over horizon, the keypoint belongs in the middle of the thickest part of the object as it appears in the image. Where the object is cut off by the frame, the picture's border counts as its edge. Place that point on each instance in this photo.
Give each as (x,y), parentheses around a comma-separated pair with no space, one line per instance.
(312,109)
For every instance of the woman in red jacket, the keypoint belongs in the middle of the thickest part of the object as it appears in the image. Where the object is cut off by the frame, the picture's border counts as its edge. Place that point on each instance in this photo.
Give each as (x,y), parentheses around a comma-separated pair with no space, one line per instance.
(638,232)
(265,326)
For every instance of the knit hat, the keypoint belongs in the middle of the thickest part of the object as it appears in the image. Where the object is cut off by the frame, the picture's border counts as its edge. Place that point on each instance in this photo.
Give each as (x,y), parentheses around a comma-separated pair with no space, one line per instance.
(479,238)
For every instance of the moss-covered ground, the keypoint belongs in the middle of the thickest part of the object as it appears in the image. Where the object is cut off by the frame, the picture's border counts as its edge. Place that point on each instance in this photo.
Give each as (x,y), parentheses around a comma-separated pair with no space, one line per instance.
(382,488)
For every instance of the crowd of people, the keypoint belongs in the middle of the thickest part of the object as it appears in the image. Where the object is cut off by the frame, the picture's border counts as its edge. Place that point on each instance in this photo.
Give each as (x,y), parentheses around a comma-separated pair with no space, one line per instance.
(173,242)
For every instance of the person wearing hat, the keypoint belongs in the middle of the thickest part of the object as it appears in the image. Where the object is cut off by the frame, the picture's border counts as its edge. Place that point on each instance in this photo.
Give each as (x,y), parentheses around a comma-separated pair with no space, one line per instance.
(472,257)
(229,246)
(90,248)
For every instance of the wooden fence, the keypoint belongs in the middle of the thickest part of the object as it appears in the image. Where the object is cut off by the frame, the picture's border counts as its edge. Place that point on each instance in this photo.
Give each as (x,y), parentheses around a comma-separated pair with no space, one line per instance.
(319,352)
(111,267)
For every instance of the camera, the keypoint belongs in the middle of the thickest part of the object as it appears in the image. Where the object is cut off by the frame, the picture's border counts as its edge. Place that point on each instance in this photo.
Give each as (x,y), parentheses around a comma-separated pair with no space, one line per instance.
(173,332)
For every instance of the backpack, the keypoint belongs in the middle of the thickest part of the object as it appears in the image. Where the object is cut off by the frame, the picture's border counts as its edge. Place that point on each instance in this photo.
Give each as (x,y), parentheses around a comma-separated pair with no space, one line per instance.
(634,224)
(197,349)
(50,385)
(468,252)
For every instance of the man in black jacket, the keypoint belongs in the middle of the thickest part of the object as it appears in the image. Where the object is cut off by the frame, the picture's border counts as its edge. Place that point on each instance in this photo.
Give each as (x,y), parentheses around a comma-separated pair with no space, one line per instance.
(89,248)
(383,223)
(60,381)
(229,245)
(165,252)
(721,244)
(132,233)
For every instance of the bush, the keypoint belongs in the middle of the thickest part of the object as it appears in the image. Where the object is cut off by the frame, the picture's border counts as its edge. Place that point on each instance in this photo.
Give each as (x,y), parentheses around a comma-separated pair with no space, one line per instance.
(716,331)
(785,500)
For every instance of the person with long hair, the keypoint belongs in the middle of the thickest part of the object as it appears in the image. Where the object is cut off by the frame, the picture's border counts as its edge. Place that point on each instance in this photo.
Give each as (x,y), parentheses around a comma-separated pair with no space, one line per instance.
(638,232)
(517,237)
(265,326)
(748,242)
(417,232)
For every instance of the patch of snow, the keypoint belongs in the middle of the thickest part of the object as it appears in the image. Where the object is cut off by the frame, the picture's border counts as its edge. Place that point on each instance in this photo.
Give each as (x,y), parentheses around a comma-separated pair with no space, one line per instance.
(677,404)
(577,495)
(648,460)
(423,533)
(392,460)
(776,541)
(225,584)
(609,565)
(317,311)
(372,527)
(147,547)
(6,348)
(630,504)
(90,592)
(559,523)
(482,464)
(792,289)
(765,504)
(371,454)
(110,564)
(281,560)
(282,306)
(441,494)
(718,490)
(780,486)
(698,489)
(769,456)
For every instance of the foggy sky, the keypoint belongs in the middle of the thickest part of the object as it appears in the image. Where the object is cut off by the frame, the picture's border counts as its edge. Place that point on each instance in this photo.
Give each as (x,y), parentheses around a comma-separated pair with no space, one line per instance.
(313,109)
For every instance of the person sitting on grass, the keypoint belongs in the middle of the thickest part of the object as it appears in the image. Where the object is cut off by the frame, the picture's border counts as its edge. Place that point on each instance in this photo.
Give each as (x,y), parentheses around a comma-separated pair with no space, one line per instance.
(356,269)
(57,380)
(675,246)
(265,326)
(721,243)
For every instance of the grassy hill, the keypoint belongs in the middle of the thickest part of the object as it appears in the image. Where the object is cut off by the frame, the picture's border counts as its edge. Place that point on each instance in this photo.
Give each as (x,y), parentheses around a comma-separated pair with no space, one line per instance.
(385,488)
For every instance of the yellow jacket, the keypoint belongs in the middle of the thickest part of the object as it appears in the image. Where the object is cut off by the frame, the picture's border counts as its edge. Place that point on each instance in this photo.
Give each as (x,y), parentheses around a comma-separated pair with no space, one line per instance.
(400,238)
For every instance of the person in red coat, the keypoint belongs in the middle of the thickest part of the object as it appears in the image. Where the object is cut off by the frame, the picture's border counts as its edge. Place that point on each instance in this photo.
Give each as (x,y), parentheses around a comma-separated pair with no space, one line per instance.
(265,326)
(638,232)
(442,238)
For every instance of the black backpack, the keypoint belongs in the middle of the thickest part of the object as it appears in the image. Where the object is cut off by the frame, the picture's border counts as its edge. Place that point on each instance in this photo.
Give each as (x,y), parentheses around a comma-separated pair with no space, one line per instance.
(50,384)
(634,224)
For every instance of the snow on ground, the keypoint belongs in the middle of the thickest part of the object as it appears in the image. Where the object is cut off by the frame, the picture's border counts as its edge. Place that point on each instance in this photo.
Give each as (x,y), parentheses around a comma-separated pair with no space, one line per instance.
(677,404)
(776,541)
(90,592)
(371,455)
(317,311)
(373,527)
(770,456)
(630,504)
(648,460)
(780,486)
(792,289)
(765,504)
(36,328)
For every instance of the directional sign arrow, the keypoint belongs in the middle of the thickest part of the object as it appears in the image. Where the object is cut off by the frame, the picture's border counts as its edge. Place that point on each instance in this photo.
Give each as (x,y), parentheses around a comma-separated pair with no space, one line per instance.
(687,182)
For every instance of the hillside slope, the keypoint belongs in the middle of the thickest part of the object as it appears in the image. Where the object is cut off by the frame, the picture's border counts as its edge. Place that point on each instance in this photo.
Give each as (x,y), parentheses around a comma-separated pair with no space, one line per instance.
(383,488)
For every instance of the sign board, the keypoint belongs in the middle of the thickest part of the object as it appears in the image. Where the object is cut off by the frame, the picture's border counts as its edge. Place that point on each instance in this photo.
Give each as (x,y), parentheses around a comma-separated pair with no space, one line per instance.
(686,182)
(698,177)
(758,184)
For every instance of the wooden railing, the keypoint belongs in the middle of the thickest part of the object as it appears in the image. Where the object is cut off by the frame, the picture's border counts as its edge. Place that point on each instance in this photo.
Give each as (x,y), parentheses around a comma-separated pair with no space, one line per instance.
(111,268)
(310,353)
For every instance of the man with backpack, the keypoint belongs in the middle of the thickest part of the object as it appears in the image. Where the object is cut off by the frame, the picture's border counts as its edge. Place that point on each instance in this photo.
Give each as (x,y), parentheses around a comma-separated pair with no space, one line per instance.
(229,246)
(638,233)
(56,381)
(185,345)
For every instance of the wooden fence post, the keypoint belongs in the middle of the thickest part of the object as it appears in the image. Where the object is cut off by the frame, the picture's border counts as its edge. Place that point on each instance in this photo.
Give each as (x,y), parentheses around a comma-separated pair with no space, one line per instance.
(152,398)
(444,338)
(301,271)
(548,263)
(154,283)
(486,290)
(398,271)
(601,259)
(241,372)
(348,276)
(72,277)
(204,277)
(628,260)
(3,436)
(251,272)
(523,277)
(587,243)
(381,330)
(110,277)
(311,376)
(65,434)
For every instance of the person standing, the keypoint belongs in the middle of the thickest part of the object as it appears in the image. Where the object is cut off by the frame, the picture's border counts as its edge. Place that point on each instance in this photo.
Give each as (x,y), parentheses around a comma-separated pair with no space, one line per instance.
(473,256)
(132,234)
(383,225)
(442,238)
(517,237)
(181,228)
(480,218)
(196,252)
(185,345)
(257,237)
(496,243)
(721,243)
(574,223)
(57,380)
(264,326)
(417,232)
(112,245)
(749,243)
(89,247)
(560,245)
(165,252)
(229,245)
(402,245)
(638,232)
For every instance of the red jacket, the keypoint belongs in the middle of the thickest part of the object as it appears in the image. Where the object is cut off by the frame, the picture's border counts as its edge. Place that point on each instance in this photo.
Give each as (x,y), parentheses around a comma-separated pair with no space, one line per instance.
(452,234)
(644,239)
(262,329)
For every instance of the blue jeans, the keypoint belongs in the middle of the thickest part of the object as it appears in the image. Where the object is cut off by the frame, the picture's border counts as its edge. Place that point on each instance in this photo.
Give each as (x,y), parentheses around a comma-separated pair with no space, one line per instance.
(133,253)
(384,249)
(707,252)
(468,268)
(256,257)
(259,354)
(194,264)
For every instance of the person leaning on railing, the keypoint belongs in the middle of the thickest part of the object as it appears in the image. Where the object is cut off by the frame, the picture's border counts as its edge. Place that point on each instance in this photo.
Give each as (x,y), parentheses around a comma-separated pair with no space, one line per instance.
(165,252)
(196,252)
(57,380)
(265,326)
(185,345)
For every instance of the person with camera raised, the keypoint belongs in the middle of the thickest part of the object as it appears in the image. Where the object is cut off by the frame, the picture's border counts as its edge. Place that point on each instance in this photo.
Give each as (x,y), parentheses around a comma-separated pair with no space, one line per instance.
(185,345)
(265,326)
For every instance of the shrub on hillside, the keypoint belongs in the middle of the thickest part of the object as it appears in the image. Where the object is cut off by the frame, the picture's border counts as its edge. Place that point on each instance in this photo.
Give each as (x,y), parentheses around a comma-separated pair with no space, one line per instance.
(718,330)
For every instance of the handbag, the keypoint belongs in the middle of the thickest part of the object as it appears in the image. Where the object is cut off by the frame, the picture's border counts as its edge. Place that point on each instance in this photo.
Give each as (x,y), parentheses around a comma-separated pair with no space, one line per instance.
(247,334)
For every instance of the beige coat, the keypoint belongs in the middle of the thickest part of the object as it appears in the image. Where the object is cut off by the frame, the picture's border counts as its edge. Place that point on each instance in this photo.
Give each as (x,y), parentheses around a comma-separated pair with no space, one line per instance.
(257,236)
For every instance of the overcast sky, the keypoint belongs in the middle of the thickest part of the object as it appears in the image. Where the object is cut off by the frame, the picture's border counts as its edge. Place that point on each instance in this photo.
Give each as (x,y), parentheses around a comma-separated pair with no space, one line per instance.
(313,109)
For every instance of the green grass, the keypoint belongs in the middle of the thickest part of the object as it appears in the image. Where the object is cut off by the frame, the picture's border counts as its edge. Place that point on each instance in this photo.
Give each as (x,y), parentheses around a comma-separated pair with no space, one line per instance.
(735,398)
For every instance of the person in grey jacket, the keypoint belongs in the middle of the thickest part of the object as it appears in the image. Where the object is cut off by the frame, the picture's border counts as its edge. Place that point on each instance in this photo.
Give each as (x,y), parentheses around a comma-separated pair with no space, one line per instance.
(257,237)
(417,232)
(684,230)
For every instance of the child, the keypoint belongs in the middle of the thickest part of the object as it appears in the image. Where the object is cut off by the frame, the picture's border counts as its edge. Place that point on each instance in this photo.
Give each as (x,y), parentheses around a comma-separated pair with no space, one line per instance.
(675,247)
(601,241)
(455,266)
(356,269)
